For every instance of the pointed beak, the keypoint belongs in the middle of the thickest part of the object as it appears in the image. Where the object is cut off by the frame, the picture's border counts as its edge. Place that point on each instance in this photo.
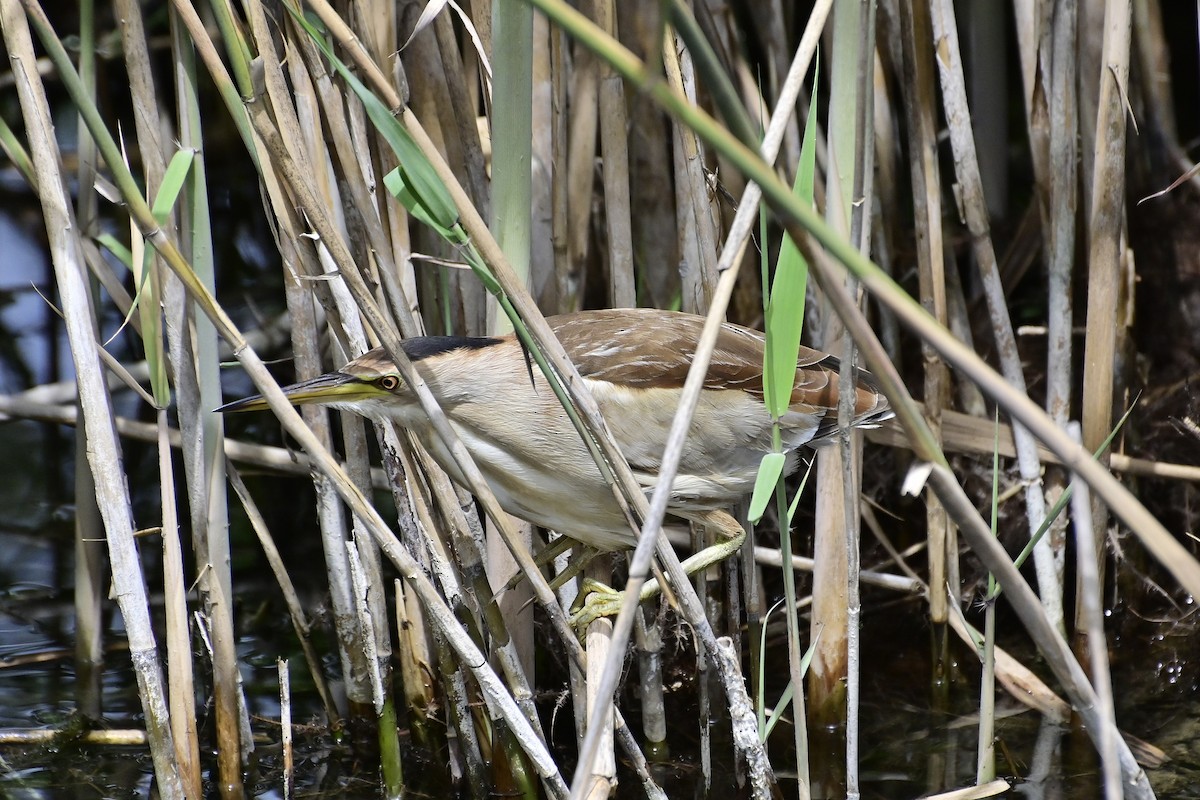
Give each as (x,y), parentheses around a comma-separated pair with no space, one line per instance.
(334,387)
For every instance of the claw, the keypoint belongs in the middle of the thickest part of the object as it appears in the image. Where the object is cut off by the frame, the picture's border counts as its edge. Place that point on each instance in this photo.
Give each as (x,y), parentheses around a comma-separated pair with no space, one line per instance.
(594,601)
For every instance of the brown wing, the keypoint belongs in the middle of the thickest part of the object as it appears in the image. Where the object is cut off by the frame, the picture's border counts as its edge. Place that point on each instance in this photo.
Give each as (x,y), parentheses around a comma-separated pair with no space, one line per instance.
(649,348)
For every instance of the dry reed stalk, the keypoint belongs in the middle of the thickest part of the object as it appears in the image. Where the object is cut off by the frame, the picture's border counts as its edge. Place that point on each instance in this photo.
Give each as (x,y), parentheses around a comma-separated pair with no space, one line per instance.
(285,728)
(181,693)
(580,149)
(565,292)
(885,214)
(90,559)
(372,628)
(771,24)
(414,657)
(970,399)
(103,448)
(916,40)
(603,767)
(544,166)
(428,540)
(648,640)
(468,741)
(471,592)
(462,305)
(196,383)
(90,569)
(861,207)
(195,356)
(614,149)
(653,175)
(1034,44)
(1091,615)
(1153,51)
(835,525)
(704,708)
(693,212)
(413,515)
(986,83)
(1061,241)
(305,346)
(461,105)
(974,208)
(1106,237)
(358,466)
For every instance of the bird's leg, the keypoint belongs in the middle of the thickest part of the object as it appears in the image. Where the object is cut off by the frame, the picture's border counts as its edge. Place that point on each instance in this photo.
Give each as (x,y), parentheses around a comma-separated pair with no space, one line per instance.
(576,566)
(552,551)
(597,600)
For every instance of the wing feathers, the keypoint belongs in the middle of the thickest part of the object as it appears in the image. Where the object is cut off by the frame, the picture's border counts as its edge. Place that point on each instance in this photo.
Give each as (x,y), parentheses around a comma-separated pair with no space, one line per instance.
(652,349)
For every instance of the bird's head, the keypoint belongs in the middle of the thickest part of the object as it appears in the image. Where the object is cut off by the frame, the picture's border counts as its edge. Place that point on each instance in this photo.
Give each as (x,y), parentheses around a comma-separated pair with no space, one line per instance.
(369,385)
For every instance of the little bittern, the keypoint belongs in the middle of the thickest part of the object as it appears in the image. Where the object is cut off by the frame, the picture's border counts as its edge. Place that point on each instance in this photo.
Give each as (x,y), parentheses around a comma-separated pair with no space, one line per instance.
(634,361)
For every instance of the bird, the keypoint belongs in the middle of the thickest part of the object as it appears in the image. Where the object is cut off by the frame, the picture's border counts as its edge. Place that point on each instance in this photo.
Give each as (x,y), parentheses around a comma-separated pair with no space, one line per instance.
(634,362)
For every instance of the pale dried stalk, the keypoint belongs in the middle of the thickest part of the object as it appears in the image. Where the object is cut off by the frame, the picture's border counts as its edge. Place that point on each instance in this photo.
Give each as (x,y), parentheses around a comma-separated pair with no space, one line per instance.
(285,728)
(1060,245)
(180,689)
(425,543)
(697,227)
(830,617)
(544,166)
(565,296)
(415,659)
(581,164)
(862,202)
(1092,617)
(1106,227)
(90,567)
(614,148)
(974,207)
(210,538)
(603,767)
(305,342)
(103,451)
(917,39)
(195,354)
(389,246)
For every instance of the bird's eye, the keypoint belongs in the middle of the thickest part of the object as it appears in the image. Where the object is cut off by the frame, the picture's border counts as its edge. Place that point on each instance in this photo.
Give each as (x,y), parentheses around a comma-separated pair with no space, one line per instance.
(388,383)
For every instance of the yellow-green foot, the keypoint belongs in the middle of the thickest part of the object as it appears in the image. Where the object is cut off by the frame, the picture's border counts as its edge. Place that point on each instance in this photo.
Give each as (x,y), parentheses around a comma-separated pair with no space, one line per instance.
(595,600)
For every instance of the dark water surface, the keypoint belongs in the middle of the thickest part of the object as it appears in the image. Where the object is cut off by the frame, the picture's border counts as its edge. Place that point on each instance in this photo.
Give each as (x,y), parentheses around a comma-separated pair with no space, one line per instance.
(915,739)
